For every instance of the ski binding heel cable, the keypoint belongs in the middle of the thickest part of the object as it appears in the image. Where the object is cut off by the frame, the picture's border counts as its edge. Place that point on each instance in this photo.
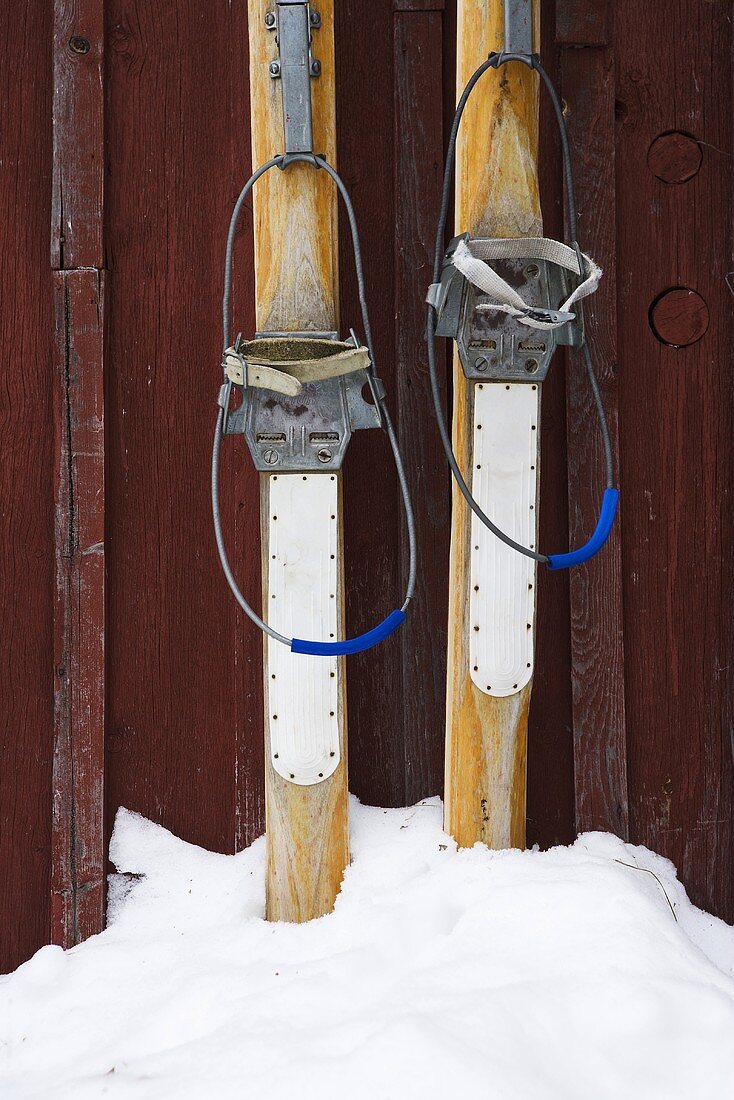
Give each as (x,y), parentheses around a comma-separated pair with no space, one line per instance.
(508,303)
(302,392)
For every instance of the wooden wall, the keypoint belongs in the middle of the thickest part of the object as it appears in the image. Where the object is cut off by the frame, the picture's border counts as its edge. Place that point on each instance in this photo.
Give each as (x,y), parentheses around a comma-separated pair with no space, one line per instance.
(130,678)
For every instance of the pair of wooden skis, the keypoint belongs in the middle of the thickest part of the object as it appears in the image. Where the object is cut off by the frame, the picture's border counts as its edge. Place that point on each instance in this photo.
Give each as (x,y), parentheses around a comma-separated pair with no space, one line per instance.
(295,212)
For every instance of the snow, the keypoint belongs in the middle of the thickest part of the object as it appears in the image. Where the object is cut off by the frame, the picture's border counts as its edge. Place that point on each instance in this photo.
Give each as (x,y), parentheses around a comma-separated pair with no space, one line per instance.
(579,973)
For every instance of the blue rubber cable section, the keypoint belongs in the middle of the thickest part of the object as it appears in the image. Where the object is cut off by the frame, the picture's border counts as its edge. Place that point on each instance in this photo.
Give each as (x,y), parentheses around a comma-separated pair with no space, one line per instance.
(351,645)
(609,504)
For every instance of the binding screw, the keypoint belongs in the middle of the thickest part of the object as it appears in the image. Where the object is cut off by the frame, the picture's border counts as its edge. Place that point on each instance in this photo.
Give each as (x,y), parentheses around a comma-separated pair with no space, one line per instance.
(315,68)
(315,19)
(269,19)
(531,270)
(481,364)
(274,68)
(324,455)
(77,44)
(271,457)
(531,366)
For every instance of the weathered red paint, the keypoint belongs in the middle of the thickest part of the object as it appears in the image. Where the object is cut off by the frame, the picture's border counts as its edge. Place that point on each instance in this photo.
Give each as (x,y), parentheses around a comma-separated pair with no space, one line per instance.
(597,645)
(78,869)
(77,252)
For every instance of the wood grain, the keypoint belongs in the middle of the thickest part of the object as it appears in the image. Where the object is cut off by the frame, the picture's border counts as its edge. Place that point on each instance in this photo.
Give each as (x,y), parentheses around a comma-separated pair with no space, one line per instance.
(497,196)
(597,645)
(296,265)
(374,553)
(184,673)
(296,281)
(26,483)
(77,224)
(78,879)
(417,45)
(677,441)
(77,251)
(583,22)
(550,808)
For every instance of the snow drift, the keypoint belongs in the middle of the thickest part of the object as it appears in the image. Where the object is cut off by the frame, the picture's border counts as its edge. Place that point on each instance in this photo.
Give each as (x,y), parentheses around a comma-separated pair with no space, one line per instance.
(577,973)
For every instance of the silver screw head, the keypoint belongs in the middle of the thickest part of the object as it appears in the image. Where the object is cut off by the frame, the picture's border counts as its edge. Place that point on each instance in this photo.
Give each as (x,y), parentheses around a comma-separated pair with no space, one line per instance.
(315,19)
(269,19)
(481,364)
(315,67)
(531,365)
(271,457)
(532,270)
(324,455)
(274,68)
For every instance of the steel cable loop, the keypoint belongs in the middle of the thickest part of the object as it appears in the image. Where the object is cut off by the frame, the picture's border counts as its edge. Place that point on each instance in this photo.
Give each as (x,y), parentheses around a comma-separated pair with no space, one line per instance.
(282,162)
(495,61)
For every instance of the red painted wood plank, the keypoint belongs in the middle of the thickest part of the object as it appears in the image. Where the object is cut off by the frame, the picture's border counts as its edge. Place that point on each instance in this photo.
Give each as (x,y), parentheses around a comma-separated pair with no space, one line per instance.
(79,615)
(677,431)
(372,536)
(185,739)
(596,588)
(582,22)
(418,145)
(550,798)
(78,181)
(26,483)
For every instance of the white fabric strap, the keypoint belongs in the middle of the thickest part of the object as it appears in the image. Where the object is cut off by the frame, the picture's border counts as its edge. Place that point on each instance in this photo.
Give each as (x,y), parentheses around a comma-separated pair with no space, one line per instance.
(470,258)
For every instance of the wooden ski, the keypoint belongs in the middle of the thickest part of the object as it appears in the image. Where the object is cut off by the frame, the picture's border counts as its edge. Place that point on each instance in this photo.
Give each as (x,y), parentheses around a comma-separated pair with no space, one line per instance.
(496,196)
(295,226)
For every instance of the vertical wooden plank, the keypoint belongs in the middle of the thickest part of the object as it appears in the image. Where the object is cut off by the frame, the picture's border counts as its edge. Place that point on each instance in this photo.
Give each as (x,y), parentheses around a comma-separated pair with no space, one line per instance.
(677,432)
(373,551)
(79,611)
(600,743)
(78,155)
(184,672)
(550,809)
(418,145)
(79,653)
(296,265)
(486,736)
(26,483)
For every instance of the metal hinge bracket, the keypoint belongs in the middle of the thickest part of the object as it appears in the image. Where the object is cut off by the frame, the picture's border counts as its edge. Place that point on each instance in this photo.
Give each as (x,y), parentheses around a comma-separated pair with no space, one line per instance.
(292,22)
(518,27)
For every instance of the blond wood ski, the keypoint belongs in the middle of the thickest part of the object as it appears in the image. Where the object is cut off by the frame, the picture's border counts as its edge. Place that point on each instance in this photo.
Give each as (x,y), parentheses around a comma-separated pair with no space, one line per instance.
(486,734)
(296,280)
(302,396)
(508,297)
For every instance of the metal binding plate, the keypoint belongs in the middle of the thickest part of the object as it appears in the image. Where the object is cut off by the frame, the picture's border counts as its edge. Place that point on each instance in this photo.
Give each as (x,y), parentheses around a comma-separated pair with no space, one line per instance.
(309,432)
(303,579)
(493,345)
(502,582)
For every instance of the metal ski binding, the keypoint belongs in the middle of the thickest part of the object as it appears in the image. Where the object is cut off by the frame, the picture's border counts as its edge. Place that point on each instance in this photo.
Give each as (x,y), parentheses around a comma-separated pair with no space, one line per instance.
(508,303)
(301,397)
(303,392)
(507,333)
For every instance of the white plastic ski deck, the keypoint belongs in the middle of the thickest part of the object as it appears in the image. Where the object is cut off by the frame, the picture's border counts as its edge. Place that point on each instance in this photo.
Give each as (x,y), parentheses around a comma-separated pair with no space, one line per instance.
(303,593)
(502,582)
